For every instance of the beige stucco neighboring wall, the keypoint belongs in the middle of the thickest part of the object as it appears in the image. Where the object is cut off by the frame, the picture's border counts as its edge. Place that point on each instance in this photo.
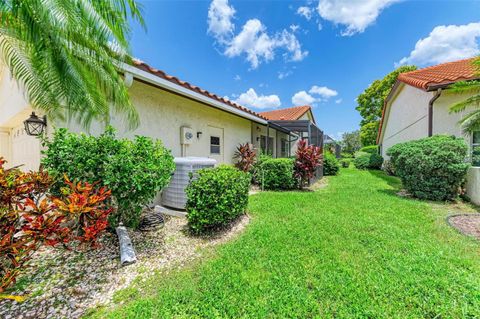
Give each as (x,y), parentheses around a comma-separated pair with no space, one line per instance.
(406,117)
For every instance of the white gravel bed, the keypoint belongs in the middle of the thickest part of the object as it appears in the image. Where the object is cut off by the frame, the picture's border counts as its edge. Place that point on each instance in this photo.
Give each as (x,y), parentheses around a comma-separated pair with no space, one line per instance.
(64,284)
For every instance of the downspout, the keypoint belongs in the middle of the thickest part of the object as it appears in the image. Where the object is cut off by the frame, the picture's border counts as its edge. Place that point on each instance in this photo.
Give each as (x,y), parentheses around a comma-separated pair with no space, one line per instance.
(430,110)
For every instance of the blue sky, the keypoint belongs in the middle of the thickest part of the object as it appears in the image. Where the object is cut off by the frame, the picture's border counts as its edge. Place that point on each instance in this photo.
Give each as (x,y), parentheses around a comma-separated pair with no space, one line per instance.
(275,54)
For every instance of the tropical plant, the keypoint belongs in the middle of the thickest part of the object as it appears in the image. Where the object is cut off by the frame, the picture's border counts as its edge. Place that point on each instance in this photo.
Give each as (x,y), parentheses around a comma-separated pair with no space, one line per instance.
(245,155)
(66,55)
(471,121)
(308,158)
(215,197)
(134,170)
(431,168)
(31,217)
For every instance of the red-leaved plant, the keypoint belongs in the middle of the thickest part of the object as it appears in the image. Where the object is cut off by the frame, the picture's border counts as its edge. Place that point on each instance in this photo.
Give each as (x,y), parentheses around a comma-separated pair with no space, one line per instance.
(308,158)
(30,217)
(246,157)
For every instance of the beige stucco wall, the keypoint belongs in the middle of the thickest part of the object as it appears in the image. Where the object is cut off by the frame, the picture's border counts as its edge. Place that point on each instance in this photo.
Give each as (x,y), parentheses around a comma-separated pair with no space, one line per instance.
(406,117)
(473,184)
(162,114)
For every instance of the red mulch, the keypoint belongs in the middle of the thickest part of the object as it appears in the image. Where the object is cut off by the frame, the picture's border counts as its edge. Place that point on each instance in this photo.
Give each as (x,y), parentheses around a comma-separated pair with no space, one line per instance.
(468,224)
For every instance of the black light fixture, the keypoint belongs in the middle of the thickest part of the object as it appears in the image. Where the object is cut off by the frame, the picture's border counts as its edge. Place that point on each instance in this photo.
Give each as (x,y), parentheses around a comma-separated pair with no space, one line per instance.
(35,125)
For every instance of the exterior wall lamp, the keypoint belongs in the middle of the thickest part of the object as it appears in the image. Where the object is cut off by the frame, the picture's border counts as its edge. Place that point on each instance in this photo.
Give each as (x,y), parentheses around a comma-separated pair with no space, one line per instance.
(34,125)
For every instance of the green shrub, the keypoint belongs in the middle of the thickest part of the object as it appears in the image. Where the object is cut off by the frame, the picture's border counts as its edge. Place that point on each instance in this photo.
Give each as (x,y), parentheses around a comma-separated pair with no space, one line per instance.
(345,162)
(277,174)
(216,197)
(331,166)
(389,168)
(431,168)
(369,149)
(346,155)
(368,161)
(134,170)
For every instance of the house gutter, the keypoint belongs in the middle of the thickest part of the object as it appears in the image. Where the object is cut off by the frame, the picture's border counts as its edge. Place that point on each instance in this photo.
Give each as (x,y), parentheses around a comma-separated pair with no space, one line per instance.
(430,110)
(162,83)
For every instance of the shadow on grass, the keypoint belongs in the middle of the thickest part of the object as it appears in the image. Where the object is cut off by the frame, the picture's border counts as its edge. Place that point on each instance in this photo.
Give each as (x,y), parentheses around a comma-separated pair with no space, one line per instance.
(391,180)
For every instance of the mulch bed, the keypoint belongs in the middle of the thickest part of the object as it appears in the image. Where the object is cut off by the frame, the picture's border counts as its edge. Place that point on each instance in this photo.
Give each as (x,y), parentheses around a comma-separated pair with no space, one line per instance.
(467,224)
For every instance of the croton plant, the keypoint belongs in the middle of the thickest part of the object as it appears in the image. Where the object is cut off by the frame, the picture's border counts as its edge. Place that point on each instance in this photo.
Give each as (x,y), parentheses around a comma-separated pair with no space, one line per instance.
(31,217)
(308,158)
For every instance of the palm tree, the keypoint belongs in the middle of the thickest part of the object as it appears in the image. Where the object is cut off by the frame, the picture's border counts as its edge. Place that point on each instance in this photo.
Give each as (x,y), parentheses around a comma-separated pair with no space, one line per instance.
(471,121)
(65,54)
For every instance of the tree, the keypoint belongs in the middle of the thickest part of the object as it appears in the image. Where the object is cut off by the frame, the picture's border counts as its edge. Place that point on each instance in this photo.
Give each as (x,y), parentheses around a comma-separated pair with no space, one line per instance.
(351,142)
(371,102)
(368,133)
(471,121)
(66,53)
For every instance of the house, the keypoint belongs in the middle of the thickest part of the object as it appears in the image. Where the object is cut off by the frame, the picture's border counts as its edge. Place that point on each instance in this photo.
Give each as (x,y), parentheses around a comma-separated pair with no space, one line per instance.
(299,120)
(189,120)
(418,106)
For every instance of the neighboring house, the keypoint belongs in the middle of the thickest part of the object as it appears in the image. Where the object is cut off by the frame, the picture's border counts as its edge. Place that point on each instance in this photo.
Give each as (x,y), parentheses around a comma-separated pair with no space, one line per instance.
(299,120)
(167,107)
(418,106)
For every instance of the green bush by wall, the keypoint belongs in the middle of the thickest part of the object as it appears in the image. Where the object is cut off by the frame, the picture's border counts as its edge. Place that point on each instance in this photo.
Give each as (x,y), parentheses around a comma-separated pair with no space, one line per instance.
(368,160)
(216,197)
(431,168)
(331,166)
(369,149)
(277,174)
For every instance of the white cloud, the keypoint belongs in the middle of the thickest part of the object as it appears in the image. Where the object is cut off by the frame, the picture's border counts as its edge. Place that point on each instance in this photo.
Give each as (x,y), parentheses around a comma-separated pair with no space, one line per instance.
(444,44)
(253,41)
(303,98)
(356,15)
(338,101)
(283,74)
(306,12)
(220,16)
(315,94)
(323,92)
(252,99)
(258,45)
(294,27)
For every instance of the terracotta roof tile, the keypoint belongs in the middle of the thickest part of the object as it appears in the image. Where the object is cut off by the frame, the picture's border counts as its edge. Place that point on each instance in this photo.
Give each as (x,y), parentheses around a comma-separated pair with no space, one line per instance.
(288,114)
(147,68)
(440,74)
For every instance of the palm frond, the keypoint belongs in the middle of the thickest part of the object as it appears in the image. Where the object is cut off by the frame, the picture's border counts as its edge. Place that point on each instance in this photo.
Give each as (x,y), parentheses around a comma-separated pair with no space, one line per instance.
(65,52)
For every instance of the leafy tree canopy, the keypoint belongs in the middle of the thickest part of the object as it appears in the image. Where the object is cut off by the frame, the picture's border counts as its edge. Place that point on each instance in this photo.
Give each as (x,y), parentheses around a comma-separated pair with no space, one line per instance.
(370,102)
(368,133)
(351,142)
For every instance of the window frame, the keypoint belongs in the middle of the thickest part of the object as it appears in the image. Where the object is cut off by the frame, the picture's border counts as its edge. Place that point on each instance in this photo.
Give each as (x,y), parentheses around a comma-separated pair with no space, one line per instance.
(219,145)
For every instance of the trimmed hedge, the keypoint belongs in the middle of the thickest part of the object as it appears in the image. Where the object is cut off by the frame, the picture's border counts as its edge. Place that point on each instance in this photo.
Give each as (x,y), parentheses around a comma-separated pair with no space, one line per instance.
(331,166)
(277,174)
(368,161)
(431,168)
(216,197)
(345,162)
(369,149)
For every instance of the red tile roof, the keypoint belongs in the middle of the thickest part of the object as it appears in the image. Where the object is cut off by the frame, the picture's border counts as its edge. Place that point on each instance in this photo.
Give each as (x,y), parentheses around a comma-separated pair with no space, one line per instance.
(441,74)
(147,68)
(288,114)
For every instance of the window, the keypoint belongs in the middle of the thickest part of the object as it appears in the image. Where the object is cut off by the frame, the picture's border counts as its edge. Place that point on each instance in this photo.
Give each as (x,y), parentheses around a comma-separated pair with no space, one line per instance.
(476,148)
(284,148)
(214,145)
(263,145)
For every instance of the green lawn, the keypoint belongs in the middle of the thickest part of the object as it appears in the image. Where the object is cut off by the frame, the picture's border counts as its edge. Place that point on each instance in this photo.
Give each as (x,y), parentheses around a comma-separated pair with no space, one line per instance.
(351,250)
